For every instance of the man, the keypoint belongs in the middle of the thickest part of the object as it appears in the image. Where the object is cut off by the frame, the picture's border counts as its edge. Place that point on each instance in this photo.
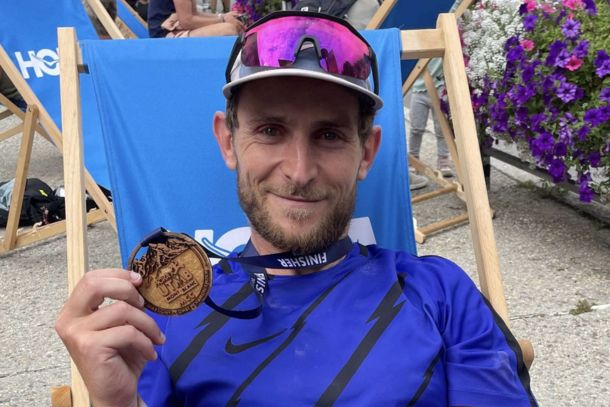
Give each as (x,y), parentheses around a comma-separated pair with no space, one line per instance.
(367,327)
(180,18)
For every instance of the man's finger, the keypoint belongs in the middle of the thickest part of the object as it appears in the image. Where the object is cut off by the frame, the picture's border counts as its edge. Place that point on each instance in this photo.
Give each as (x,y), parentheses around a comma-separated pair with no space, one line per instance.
(94,287)
(121,313)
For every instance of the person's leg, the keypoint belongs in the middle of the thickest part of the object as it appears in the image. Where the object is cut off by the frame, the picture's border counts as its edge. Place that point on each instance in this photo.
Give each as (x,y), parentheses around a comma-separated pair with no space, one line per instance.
(443,163)
(213,30)
(418,117)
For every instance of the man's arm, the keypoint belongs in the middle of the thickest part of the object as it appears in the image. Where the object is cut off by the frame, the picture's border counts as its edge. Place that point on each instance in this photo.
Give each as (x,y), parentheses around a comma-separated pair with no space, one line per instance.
(109,344)
(484,364)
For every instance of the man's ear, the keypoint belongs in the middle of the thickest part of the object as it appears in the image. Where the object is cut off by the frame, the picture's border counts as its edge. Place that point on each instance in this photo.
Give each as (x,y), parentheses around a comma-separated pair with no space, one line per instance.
(224,138)
(369,152)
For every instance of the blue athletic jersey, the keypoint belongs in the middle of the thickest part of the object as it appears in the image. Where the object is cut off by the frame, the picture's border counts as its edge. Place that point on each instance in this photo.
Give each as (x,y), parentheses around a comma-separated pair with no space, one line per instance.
(381,328)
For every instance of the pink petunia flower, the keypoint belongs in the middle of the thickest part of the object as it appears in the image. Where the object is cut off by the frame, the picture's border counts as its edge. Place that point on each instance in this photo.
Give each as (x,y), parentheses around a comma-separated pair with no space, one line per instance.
(547,8)
(527,45)
(574,63)
(531,5)
(573,4)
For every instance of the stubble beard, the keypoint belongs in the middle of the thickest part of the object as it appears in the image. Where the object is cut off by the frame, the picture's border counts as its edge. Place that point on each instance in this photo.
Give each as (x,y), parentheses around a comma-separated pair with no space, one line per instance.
(327,230)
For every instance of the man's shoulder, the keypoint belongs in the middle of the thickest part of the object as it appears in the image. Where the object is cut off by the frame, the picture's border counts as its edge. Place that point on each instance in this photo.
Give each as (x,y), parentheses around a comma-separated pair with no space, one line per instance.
(427,270)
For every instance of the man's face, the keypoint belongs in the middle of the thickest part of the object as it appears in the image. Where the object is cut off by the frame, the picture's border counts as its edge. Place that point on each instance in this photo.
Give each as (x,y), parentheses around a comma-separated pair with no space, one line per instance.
(298,156)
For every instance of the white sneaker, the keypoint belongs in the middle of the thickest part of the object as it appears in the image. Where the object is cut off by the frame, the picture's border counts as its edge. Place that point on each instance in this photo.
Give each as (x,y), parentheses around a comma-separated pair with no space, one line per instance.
(444,166)
(417,181)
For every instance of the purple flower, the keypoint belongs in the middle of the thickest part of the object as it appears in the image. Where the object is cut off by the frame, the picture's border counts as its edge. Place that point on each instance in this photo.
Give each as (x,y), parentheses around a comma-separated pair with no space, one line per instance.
(529,22)
(515,53)
(565,136)
(520,94)
(557,170)
(554,49)
(563,59)
(594,117)
(583,132)
(536,120)
(543,144)
(585,192)
(511,42)
(595,158)
(602,63)
(604,113)
(566,92)
(590,7)
(581,49)
(523,9)
(605,95)
(521,116)
(571,29)
(560,149)
(527,74)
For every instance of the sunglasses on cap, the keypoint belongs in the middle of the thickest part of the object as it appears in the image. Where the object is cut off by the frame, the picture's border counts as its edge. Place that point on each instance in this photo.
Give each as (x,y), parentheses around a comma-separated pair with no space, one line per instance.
(276,40)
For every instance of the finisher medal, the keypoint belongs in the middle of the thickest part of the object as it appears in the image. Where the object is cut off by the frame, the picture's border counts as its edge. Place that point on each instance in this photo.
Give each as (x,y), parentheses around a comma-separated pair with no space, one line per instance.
(176,274)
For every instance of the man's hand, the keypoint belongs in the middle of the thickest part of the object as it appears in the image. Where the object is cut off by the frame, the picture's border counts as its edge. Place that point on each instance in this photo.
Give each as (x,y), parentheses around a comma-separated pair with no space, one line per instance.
(232,17)
(110,344)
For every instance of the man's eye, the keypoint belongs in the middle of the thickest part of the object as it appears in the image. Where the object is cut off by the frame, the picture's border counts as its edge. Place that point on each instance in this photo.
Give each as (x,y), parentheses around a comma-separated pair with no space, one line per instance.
(329,136)
(270,131)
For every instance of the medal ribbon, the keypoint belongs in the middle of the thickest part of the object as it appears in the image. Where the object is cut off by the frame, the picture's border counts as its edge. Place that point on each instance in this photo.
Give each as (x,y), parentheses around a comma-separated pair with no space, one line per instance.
(257,273)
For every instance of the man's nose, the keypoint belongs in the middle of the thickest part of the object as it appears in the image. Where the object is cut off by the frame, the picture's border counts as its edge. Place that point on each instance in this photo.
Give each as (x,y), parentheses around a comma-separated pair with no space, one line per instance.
(300,163)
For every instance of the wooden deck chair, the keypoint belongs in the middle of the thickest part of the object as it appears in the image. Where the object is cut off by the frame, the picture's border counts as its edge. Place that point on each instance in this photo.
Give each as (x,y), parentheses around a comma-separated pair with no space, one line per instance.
(130,21)
(405,15)
(28,57)
(177,164)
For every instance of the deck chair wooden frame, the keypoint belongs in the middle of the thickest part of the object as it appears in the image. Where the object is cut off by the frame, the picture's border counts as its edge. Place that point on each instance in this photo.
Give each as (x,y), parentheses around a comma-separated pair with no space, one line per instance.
(441,41)
(124,27)
(455,186)
(37,120)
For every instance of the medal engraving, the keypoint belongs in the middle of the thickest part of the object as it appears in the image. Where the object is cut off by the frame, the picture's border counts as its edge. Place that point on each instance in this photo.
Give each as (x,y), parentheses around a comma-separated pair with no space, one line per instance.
(176,274)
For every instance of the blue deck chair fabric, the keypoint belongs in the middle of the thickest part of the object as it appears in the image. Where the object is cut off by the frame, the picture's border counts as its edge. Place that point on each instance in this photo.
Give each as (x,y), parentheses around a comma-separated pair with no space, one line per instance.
(414,15)
(28,33)
(126,15)
(157,99)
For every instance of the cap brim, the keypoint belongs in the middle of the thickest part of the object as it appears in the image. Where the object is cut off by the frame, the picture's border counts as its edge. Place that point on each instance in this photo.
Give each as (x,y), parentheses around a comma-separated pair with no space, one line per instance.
(377,102)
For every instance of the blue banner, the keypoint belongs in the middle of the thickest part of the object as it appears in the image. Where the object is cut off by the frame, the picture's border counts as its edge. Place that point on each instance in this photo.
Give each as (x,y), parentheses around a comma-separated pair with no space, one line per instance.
(156,99)
(28,34)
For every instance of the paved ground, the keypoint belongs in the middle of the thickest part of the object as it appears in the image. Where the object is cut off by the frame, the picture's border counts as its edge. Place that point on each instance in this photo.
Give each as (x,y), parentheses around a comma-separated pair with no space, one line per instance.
(551,257)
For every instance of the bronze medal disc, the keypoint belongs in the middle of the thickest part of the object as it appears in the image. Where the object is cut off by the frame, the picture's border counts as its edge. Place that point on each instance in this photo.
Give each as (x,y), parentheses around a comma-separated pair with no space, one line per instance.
(176,274)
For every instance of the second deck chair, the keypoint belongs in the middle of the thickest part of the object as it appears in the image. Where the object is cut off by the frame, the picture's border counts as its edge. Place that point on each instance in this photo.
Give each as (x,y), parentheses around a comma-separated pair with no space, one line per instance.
(409,15)
(179,149)
(131,20)
(28,56)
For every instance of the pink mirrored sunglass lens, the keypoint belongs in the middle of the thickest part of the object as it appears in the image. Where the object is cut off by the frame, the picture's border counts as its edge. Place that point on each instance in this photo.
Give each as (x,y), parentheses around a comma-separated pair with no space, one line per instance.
(274,44)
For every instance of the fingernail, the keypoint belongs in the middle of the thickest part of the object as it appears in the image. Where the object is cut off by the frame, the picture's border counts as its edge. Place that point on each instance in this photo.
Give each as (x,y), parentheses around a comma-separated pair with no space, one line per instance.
(155,356)
(135,276)
(141,300)
(162,337)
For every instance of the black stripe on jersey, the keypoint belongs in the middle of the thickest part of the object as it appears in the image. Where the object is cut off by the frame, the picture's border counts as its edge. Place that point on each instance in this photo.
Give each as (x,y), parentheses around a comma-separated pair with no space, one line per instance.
(524,376)
(427,377)
(384,314)
(214,322)
(296,328)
